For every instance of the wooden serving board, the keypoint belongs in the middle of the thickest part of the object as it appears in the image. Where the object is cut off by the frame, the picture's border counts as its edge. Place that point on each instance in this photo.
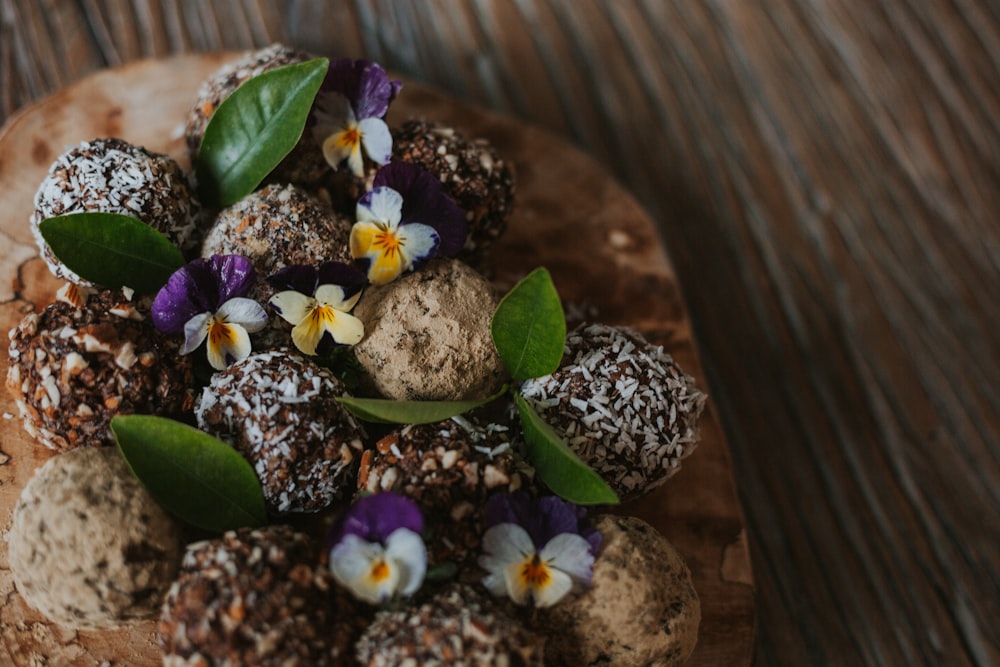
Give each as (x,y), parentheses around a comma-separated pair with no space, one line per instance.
(571,216)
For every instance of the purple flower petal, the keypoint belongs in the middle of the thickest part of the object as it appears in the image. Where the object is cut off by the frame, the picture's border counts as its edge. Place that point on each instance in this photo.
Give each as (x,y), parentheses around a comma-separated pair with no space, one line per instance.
(426,202)
(234,274)
(345,275)
(542,518)
(302,278)
(373,518)
(365,84)
(189,291)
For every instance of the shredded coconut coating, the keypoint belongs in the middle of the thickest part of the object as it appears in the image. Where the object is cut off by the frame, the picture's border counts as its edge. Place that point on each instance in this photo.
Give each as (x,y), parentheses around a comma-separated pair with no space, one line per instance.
(280,412)
(458,626)
(623,405)
(89,547)
(88,357)
(252,598)
(112,176)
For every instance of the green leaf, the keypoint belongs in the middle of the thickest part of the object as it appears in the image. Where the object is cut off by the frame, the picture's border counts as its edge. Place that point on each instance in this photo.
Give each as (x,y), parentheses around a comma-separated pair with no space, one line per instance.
(559,466)
(529,328)
(383,411)
(112,250)
(254,129)
(199,478)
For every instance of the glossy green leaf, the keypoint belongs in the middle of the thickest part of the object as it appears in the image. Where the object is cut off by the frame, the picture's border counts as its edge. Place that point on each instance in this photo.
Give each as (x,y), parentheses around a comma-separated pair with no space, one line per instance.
(254,129)
(559,466)
(529,328)
(112,250)
(384,411)
(200,479)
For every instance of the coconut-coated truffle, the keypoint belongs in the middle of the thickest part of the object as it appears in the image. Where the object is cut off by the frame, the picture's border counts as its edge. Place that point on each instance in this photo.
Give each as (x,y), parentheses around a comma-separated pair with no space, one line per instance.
(472,173)
(449,469)
(641,608)
(623,405)
(89,547)
(280,412)
(458,626)
(87,357)
(113,176)
(427,336)
(251,597)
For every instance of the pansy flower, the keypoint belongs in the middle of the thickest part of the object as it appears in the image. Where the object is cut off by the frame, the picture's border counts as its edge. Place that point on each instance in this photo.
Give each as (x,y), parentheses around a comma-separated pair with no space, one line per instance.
(318,303)
(404,220)
(205,299)
(349,113)
(536,551)
(375,548)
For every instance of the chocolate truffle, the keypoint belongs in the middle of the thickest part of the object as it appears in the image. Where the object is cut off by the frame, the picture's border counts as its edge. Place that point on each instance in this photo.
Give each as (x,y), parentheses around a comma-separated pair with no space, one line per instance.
(251,597)
(458,626)
(87,357)
(427,336)
(112,176)
(280,412)
(89,547)
(623,405)
(472,173)
(641,608)
(449,469)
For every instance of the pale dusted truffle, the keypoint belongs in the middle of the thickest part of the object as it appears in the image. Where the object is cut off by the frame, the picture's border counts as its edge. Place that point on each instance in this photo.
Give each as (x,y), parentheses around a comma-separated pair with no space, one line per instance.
(427,336)
(89,547)
(641,608)
(623,405)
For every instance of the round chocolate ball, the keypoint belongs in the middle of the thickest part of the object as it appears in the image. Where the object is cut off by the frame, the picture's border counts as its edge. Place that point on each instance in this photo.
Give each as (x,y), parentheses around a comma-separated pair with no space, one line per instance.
(637,575)
(472,173)
(89,547)
(87,357)
(251,597)
(112,176)
(623,405)
(449,469)
(281,413)
(427,336)
(458,626)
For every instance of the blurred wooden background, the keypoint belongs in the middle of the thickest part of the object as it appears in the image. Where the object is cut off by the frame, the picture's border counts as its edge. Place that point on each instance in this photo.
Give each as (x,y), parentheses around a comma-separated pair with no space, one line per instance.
(826,177)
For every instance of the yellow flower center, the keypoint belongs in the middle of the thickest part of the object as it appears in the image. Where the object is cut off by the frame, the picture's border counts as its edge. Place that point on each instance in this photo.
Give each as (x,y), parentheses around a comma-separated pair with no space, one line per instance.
(220,334)
(380,572)
(388,241)
(349,137)
(321,313)
(535,573)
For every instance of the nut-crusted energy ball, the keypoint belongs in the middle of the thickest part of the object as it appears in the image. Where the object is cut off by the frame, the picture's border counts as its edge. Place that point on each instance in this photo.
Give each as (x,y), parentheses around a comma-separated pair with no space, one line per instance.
(458,626)
(87,357)
(427,336)
(280,412)
(112,176)
(641,608)
(449,469)
(472,173)
(251,598)
(89,547)
(623,405)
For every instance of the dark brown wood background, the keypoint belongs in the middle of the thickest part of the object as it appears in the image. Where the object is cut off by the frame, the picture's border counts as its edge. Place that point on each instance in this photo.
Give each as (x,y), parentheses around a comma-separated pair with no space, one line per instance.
(826,177)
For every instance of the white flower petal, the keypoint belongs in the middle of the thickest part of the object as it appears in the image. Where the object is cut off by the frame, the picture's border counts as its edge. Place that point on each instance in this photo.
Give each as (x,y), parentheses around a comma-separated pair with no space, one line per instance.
(227,343)
(417,242)
(505,546)
(364,569)
(409,554)
(195,331)
(331,295)
(333,113)
(245,312)
(558,585)
(385,207)
(570,553)
(292,306)
(377,139)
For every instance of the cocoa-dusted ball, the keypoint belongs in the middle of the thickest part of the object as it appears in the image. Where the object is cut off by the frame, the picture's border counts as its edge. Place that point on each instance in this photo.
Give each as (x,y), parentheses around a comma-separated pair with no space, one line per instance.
(280,412)
(458,626)
(87,357)
(252,597)
(449,469)
(623,405)
(113,176)
(472,173)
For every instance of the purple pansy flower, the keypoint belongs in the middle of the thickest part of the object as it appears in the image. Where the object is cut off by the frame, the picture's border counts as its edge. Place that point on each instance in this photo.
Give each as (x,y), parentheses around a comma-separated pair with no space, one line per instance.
(205,299)
(375,548)
(536,551)
(404,220)
(349,113)
(318,303)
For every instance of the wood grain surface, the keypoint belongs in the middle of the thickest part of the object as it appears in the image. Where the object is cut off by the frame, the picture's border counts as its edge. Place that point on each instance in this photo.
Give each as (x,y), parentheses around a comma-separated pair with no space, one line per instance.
(826,178)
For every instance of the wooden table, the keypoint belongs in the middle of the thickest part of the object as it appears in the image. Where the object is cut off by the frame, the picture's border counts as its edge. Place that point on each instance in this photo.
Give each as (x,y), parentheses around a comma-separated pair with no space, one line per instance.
(826,178)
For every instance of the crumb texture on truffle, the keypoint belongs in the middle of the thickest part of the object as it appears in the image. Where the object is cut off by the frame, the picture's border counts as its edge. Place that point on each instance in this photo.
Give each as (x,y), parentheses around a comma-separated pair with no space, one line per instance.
(89,547)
